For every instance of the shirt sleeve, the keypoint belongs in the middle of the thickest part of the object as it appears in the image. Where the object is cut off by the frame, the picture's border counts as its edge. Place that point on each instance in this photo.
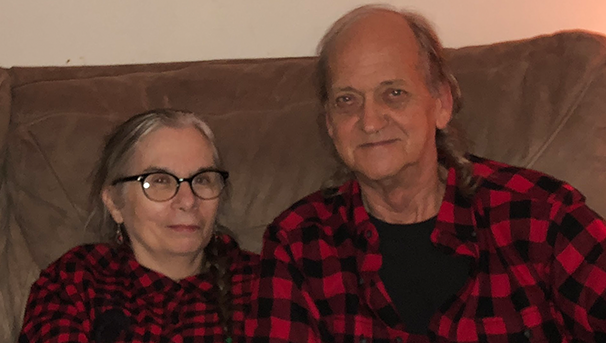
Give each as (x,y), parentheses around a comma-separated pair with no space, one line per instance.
(282,309)
(55,311)
(579,271)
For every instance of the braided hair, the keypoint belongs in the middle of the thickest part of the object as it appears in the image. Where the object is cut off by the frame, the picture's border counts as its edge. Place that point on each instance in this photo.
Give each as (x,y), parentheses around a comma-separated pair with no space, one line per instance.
(218,264)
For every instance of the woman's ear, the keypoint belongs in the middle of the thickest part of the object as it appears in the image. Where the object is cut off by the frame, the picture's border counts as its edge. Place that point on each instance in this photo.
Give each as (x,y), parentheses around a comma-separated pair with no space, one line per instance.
(110,199)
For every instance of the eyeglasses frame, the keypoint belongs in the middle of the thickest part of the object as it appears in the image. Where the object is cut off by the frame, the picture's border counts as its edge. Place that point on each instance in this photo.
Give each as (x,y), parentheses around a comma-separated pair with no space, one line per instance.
(141,178)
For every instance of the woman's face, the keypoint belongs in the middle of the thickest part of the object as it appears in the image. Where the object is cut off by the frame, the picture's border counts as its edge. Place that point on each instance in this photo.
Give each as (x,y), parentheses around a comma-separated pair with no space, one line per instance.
(179,227)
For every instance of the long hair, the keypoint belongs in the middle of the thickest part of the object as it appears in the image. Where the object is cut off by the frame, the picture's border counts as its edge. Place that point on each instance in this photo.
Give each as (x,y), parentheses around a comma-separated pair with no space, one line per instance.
(450,143)
(218,261)
(113,163)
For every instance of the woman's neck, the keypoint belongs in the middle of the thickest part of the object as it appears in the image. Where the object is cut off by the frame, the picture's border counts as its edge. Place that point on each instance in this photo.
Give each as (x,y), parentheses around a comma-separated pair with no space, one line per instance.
(175,267)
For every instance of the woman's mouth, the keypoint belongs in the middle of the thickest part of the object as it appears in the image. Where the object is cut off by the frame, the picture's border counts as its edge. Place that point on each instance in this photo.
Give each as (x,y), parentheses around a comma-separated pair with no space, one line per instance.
(184,228)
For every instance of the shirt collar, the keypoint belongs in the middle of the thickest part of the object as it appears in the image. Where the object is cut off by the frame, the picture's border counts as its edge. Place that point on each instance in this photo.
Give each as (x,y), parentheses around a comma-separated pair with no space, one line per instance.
(143,280)
(456,226)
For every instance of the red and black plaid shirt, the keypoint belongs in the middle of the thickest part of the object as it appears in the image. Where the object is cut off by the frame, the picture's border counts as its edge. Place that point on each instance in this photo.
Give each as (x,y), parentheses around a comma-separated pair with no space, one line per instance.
(96,286)
(538,271)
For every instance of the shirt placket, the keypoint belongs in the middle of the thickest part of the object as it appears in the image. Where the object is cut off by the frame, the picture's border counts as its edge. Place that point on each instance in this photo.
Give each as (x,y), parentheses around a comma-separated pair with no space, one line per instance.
(371,287)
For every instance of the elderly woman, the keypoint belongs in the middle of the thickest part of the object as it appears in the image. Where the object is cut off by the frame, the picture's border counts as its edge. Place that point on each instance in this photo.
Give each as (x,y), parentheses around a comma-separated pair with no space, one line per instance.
(168,274)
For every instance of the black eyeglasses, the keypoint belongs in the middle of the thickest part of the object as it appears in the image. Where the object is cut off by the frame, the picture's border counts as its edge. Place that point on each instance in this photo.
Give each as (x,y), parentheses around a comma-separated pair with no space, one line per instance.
(162,186)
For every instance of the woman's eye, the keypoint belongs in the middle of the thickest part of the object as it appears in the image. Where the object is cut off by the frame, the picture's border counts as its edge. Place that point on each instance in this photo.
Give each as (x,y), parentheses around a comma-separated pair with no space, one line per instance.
(161,179)
(202,180)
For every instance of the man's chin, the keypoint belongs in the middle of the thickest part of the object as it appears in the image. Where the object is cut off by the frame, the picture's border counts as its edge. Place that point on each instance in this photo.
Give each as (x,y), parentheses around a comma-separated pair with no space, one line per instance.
(376,174)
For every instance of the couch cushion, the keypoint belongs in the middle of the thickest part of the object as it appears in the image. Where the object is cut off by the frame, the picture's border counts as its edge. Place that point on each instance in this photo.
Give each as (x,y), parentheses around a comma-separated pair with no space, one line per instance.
(539,103)
(264,116)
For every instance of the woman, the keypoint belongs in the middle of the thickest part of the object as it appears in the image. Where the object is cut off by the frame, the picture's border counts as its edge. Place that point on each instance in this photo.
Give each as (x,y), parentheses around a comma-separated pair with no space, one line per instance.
(168,275)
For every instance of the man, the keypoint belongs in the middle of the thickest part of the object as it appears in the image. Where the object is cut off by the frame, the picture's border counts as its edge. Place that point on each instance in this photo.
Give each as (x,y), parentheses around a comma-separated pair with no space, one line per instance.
(424,243)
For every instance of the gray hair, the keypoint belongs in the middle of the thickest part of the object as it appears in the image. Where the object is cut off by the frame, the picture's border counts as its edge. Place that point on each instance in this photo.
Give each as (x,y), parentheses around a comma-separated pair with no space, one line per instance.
(450,142)
(118,151)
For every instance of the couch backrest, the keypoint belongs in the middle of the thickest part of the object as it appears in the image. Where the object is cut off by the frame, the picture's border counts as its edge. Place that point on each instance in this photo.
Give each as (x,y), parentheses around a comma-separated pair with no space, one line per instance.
(540,104)
(537,103)
(263,114)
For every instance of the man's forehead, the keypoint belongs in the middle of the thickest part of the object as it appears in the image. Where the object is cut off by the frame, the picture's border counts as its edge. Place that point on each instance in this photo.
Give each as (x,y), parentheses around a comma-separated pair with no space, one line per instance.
(377,24)
(374,32)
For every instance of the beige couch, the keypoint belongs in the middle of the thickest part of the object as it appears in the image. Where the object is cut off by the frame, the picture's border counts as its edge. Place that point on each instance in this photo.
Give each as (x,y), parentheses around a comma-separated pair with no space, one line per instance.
(538,103)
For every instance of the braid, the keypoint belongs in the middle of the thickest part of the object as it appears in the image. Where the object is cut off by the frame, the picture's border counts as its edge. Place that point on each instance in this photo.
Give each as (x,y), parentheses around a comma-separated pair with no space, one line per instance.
(218,262)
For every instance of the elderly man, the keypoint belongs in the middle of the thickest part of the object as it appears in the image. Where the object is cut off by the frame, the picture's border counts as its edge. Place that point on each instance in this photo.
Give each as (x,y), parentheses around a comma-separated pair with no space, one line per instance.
(423,242)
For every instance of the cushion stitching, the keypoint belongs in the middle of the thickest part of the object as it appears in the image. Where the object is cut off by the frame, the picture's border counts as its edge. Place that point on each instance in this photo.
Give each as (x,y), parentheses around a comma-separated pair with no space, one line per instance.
(563,121)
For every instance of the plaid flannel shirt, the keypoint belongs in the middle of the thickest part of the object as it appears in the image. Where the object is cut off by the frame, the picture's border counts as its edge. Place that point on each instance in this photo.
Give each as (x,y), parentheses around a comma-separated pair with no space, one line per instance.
(538,272)
(96,285)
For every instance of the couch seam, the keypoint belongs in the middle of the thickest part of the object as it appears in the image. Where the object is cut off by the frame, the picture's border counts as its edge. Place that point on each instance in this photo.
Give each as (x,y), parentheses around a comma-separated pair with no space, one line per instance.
(52,170)
(564,119)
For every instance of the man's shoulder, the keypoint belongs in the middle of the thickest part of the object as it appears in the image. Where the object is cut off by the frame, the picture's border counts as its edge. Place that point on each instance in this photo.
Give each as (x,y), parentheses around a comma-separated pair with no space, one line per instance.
(532,184)
(316,208)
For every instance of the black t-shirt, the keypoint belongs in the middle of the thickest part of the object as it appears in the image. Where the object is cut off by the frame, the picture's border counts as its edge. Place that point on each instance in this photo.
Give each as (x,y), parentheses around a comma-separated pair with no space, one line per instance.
(418,277)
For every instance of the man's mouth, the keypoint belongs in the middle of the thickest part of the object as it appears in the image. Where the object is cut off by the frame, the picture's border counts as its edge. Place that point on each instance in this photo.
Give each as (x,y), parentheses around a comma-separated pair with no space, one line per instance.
(378,143)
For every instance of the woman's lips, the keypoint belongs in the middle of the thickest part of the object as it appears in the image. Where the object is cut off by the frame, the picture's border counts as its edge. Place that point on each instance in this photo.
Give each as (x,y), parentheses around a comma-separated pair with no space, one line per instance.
(184,228)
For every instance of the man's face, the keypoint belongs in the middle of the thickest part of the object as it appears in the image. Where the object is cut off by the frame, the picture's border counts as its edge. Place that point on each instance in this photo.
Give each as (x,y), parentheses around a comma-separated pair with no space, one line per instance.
(381,116)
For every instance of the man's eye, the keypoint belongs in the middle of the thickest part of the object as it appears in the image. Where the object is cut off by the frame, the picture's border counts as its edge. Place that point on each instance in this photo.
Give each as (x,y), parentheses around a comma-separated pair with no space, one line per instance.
(395,96)
(347,102)
(396,92)
(343,100)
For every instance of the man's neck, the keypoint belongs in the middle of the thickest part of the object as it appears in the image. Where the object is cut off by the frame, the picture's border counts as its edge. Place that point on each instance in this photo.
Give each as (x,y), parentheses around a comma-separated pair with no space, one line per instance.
(410,197)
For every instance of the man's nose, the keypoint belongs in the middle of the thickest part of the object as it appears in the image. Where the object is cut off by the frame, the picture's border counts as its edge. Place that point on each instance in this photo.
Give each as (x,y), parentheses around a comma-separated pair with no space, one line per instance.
(373,117)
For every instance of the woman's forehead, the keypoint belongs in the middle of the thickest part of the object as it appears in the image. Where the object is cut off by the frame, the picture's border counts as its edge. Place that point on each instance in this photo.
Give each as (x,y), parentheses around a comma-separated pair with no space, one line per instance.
(181,149)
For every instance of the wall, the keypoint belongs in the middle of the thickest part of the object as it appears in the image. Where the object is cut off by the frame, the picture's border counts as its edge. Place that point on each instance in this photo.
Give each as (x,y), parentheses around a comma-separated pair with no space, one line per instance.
(77,32)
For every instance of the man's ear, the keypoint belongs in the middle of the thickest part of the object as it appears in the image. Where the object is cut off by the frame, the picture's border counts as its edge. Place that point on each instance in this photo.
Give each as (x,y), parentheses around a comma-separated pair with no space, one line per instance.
(109,196)
(444,106)
(329,125)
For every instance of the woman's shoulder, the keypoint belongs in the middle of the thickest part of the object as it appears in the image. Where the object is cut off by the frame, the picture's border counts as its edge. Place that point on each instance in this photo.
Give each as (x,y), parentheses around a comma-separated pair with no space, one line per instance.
(81,260)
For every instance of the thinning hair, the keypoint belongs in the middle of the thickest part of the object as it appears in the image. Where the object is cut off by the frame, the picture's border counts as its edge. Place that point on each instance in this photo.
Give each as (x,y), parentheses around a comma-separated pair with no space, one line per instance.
(450,142)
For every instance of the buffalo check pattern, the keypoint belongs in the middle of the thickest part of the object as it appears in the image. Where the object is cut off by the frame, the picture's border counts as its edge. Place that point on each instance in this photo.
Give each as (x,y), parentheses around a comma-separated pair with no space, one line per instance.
(538,270)
(91,281)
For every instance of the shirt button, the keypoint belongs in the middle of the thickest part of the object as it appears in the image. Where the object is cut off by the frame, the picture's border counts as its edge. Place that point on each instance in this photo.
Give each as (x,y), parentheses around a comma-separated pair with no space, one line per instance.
(398,339)
(360,281)
(527,333)
(363,339)
(368,234)
(473,234)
